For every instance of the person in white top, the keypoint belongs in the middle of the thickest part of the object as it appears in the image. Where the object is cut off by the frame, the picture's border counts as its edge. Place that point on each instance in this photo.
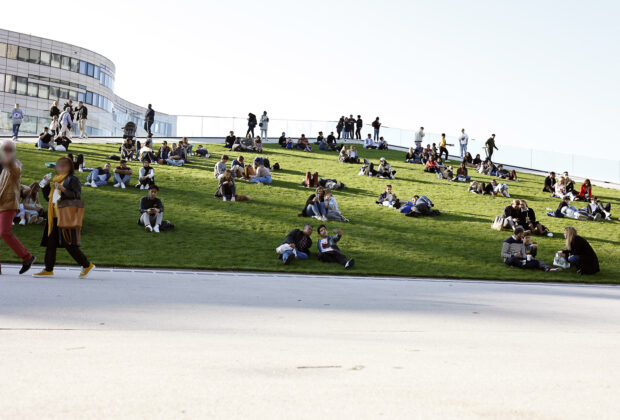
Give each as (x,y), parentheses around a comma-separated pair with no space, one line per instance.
(463,141)
(264,123)
(419,136)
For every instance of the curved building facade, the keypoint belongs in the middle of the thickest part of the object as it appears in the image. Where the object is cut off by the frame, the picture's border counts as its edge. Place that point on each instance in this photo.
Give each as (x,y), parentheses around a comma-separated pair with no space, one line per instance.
(35,71)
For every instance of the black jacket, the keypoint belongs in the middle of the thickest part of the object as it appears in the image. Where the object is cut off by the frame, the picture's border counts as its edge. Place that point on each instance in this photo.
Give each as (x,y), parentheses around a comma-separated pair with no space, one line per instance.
(296,236)
(82,113)
(587,256)
(511,211)
(549,184)
(150,115)
(73,189)
(309,201)
(54,111)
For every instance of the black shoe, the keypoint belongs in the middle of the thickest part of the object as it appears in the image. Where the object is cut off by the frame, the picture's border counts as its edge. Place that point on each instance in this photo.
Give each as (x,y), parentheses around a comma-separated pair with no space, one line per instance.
(27,264)
(288,259)
(349,263)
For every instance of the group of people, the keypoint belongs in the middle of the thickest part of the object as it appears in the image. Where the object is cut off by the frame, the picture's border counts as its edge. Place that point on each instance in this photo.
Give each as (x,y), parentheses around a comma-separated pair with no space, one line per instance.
(297,244)
(563,187)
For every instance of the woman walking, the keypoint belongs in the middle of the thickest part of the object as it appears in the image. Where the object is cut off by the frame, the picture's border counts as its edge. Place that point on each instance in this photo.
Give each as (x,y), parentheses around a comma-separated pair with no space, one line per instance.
(10,176)
(64,186)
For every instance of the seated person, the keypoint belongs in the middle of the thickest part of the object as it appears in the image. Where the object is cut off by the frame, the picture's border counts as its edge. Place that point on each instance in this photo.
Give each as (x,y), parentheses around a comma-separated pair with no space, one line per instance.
(445,172)
(296,245)
(388,198)
(146,151)
(226,189)
(263,175)
(515,255)
(550,183)
(151,211)
(382,144)
(303,144)
(243,145)
(352,155)
(128,149)
(528,219)
(343,156)
(410,156)
(283,140)
(176,156)
(568,182)
(322,143)
(369,143)
(78,161)
(367,169)
(477,160)
(500,172)
(315,206)
(320,139)
(579,252)
(46,140)
(585,192)
(258,144)
(187,146)
(431,165)
(202,151)
(99,176)
(220,167)
(230,140)
(385,169)
(487,168)
(461,173)
(468,160)
(62,143)
(596,211)
(30,208)
(183,152)
(122,175)
(311,180)
(237,166)
(480,188)
(328,248)
(146,176)
(331,142)
(163,153)
(512,215)
(499,189)
(419,206)
(332,212)
(560,190)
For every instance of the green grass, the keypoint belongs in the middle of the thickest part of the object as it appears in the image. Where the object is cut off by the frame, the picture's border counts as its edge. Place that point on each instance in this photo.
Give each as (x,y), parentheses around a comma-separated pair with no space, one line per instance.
(211,234)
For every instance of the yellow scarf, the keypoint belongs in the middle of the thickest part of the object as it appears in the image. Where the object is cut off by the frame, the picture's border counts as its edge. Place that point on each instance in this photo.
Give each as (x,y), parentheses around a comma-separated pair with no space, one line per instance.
(52,208)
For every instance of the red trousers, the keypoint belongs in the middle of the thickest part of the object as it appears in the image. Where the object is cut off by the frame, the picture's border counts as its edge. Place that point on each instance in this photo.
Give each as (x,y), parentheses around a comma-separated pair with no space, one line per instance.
(7,235)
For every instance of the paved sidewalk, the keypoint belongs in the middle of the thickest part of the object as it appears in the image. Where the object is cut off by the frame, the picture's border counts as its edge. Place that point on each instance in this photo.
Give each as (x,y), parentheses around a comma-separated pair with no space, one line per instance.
(164,344)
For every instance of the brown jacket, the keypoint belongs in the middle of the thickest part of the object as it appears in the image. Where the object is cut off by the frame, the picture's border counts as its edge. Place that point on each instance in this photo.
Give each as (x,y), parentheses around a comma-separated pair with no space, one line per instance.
(10,178)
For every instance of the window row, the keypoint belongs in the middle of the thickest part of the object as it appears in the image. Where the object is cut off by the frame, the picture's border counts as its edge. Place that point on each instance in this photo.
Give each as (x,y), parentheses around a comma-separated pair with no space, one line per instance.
(59,61)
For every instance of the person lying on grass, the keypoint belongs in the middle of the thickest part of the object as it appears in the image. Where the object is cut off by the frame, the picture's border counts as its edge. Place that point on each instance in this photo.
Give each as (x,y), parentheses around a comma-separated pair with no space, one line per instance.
(499,189)
(328,248)
(227,190)
(332,212)
(296,245)
(311,180)
(481,188)
(151,210)
(99,176)
(315,205)
(388,199)
(419,206)
(515,255)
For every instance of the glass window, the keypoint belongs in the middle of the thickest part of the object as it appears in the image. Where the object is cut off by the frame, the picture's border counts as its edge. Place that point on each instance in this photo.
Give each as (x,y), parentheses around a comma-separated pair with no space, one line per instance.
(63,93)
(54,92)
(44,91)
(46,58)
(91,70)
(23,54)
(35,56)
(81,87)
(65,64)
(73,95)
(10,84)
(89,98)
(96,75)
(11,52)
(56,60)
(33,89)
(1,82)
(54,80)
(83,65)
(2,49)
(75,65)
(81,96)
(22,85)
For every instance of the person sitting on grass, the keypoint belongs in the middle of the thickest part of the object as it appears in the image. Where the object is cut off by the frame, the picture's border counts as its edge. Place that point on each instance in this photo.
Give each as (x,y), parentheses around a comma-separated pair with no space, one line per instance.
(388,199)
(30,209)
(560,190)
(568,182)
(343,156)
(128,149)
(187,146)
(283,140)
(597,211)
(382,144)
(62,143)
(46,140)
(431,165)
(226,189)
(352,155)
(410,156)
(237,167)
(328,248)
(263,175)
(514,253)
(480,188)
(220,167)
(331,141)
(146,176)
(461,173)
(296,245)
(99,176)
(385,169)
(322,143)
(183,152)
(78,161)
(468,160)
(151,210)
(202,151)
(512,215)
(315,206)
(528,219)
(122,175)
(258,144)
(146,151)
(579,252)
(369,143)
(585,192)
(477,161)
(550,181)
(303,144)
(175,158)
(332,212)
(230,140)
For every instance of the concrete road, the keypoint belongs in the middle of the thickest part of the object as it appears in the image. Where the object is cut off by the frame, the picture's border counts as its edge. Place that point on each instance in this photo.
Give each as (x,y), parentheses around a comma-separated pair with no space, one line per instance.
(160,344)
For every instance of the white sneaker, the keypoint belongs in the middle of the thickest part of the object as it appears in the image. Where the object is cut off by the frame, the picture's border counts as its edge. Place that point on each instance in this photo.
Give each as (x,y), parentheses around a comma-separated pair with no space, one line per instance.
(117,185)
(232,199)
(81,170)
(148,228)
(123,185)
(156,229)
(22,222)
(92,184)
(39,148)
(224,199)
(87,184)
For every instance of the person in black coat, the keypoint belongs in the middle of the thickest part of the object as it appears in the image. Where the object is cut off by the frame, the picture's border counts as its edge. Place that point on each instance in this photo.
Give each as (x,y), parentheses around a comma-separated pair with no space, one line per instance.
(54,110)
(63,186)
(550,183)
(149,119)
(297,244)
(252,123)
(579,252)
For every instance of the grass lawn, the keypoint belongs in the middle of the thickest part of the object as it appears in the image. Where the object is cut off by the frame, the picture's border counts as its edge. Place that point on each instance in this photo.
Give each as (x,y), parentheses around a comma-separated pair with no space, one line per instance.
(211,234)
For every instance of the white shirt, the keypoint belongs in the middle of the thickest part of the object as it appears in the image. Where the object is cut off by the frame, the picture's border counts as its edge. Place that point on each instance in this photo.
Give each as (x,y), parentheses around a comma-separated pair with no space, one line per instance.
(419,135)
(265,121)
(464,139)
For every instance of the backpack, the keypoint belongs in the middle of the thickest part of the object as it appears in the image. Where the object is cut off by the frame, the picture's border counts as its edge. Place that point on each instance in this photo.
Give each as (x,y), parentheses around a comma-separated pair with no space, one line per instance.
(166,226)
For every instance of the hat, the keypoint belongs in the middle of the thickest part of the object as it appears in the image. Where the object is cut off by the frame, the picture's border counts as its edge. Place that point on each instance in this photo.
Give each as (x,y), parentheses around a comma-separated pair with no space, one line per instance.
(382,159)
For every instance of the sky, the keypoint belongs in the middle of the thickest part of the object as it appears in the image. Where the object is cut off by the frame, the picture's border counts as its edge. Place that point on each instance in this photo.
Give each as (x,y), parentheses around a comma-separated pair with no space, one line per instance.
(541,74)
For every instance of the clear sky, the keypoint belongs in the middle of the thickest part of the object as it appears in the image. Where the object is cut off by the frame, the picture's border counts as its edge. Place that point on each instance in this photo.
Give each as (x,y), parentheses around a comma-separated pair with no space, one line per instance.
(537,73)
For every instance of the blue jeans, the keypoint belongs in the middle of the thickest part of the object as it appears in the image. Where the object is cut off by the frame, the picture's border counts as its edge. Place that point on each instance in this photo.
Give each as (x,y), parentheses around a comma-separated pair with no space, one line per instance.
(522,262)
(124,179)
(16,129)
(575,260)
(94,177)
(173,162)
(376,134)
(43,145)
(323,146)
(300,255)
(263,179)
(463,150)
(316,209)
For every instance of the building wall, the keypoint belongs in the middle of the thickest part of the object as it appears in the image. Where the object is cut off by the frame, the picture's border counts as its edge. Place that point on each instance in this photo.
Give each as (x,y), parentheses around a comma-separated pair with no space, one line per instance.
(36,71)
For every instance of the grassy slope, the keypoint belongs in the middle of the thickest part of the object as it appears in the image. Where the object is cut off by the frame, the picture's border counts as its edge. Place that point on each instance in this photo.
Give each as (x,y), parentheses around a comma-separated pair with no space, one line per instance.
(242,236)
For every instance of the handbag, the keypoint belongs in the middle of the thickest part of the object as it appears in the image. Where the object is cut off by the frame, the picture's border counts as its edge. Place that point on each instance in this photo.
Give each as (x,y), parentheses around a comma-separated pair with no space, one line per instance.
(498,223)
(70,214)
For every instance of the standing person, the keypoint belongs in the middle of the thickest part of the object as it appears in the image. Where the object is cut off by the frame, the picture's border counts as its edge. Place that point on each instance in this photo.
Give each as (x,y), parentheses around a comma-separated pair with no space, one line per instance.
(264,124)
(359,124)
(17,116)
(350,127)
(463,142)
(579,252)
(328,248)
(490,145)
(251,125)
(82,117)
(66,123)
(419,136)
(442,146)
(340,126)
(54,110)
(64,186)
(377,126)
(10,177)
(149,119)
